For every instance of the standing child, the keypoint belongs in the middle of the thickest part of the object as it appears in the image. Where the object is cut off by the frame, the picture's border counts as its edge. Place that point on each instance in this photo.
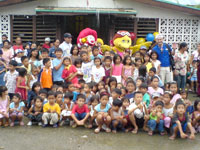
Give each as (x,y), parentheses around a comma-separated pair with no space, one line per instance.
(33,77)
(95,53)
(130,87)
(16,110)
(4,106)
(51,111)
(35,112)
(107,67)
(115,94)
(193,76)
(98,71)
(116,70)
(173,87)
(78,64)
(87,92)
(21,86)
(33,93)
(3,69)
(127,69)
(155,62)
(154,86)
(94,102)
(147,62)
(196,116)
(146,97)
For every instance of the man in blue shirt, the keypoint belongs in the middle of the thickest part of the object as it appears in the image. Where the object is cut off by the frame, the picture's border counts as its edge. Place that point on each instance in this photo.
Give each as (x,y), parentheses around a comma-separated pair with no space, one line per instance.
(163,50)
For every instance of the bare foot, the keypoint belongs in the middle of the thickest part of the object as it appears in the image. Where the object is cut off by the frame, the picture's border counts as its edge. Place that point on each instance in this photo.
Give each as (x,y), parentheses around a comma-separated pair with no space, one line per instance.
(135,131)
(183,135)
(146,129)
(192,137)
(172,137)
(90,126)
(114,131)
(97,130)
(150,133)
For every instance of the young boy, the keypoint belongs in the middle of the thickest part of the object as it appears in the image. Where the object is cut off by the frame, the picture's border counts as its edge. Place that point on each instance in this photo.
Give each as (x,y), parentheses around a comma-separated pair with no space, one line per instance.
(181,122)
(156,119)
(152,73)
(146,97)
(95,53)
(107,67)
(80,111)
(117,116)
(58,67)
(10,78)
(51,111)
(86,67)
(116,93)
(136,112)
(130,86)
(45,54)
(88,92)
(45,75)
(43,93)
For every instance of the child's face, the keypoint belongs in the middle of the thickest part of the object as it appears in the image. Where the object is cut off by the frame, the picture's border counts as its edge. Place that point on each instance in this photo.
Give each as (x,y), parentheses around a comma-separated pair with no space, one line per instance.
(80,102)
(138,83)
(146,58)
(113,84)
(25,62)
(184,96)
(48,64)
(138,62)
(123,92)
(104,100)
(107,53)
(137,55)
(47,42)
(37,89)
(95,52)
(173,88)
(84,57)
(107,62)
(45,55)
(128,61)
(15,99)
(166,98)
(119,85)
(43,95)
(67,101)
(115,95)
(159,108)
(83,49)
(154,56)
(51,99)
(86,88)
(155,82)
(115,108)
(38,103)
(59,98)
(151,73)
(143,90)
(71,88)
(118,60)
(11,67)
(66,62)
(94,103)
(75,50)
(58,54)
(60,89)
(5,93)
(35,72)
(126,103)
(78,65)
(138,98)
(97,62)
(100,86)
(35,53)
(130,87)
(180,109)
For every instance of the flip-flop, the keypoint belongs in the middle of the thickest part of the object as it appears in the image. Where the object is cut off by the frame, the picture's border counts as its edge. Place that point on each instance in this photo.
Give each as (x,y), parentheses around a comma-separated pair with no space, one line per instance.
(97,130)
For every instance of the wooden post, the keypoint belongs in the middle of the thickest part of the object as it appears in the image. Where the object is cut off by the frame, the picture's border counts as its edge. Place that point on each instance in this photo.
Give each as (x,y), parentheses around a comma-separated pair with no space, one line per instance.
(157,24)
(58,28)
(135,29)
(34,28)
(11,28)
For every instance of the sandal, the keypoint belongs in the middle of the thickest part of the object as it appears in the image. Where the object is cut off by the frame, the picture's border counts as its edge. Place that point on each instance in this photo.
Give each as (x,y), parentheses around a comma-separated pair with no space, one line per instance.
(12,124)
(150,133)
(108,130)
(97,130)
(162,133)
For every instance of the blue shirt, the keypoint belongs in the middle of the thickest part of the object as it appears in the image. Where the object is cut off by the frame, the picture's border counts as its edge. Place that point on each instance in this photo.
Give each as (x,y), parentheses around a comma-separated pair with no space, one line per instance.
(98,108)
(52,52)
(129,96)
(163,56)
(57,74)
(99,55)
(21,104)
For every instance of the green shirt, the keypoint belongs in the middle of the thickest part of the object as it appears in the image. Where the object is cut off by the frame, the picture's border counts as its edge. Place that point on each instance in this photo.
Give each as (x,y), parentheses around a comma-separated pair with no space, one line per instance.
(146,99)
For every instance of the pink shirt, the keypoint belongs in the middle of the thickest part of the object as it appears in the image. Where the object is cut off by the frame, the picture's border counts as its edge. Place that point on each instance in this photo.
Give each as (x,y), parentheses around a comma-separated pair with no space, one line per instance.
(151,90)
(174,99)
(7,55)
(117,70)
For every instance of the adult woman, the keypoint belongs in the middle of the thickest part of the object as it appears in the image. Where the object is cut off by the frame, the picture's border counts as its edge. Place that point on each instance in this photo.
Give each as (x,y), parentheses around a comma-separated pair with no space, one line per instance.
(181,60)
(7,51)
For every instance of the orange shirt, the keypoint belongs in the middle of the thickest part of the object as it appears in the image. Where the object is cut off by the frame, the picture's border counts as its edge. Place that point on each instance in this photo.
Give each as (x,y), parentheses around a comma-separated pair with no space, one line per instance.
(46,78)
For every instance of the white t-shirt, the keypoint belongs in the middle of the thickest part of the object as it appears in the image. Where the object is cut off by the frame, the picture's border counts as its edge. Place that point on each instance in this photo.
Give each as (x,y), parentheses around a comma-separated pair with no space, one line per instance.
(98,73)
(138,112)
(66,47)
(87,71)
(196,55)
(156,64)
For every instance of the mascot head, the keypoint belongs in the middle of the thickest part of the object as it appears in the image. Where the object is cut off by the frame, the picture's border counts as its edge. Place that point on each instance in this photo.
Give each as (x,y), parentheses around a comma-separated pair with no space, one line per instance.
(122,40)
(87,37)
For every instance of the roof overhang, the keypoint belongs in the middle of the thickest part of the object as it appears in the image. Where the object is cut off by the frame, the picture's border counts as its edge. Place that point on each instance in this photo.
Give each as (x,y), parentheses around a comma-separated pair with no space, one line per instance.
(83,11)
(12,2)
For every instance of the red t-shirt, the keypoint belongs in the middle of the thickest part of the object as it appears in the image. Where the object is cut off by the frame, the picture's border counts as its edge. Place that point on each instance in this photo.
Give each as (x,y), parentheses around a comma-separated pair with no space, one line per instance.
(80,110)
(67,72)
(18,47)
(46,46)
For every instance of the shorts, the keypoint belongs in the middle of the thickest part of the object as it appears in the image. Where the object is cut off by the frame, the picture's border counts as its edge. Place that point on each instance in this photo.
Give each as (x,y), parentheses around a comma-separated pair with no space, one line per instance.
(66,113)
(193,79)
(183,125)
(80,116)
(139,122)
(119,126)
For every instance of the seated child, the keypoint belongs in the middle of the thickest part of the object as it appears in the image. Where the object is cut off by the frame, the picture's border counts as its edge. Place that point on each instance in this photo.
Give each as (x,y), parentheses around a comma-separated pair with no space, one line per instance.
(94,101)
(88,92)
(117,116)
(188,103)
(35,112)
(115,94)
(17,110)
(196,116)
(43,93)
(59,99)
(80,111)
(181,122)
(130,86)
(51,111)
(146,97)
(156,119)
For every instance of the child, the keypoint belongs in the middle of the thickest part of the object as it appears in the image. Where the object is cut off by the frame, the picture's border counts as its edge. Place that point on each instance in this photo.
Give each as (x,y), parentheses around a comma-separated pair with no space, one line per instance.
(33,77)
(95,53)
(45,75)
(188,103)
(69,73)
(4,106)
(130,87)
(155,62)
(136,112)
(43,93)
(78,64)
(35,112)
(80,111)
(3,69)
(26,64)
(102,113)
(112,84)
(46,44)
(21,86)
(107,67)
(51,111)
(156,119)
(59,99)
(115,94)
(19,54)
(127,69)
(10,78)
(33,93)
(147,62)
(74,53)
(67,109)
(196,115)
(86,67)
(193,76)
(146,97)
(125,106)
(154,86)
(16,110)
(98,71)
(87,92)
(116,69)
(173,87)
(181,122)
(139,81)
(45,54)
(117,116)
(94,102)
(152,73)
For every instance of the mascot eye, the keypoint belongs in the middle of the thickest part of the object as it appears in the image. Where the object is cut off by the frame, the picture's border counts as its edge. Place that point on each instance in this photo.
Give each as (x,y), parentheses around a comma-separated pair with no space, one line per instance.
(123,41)
(128,41)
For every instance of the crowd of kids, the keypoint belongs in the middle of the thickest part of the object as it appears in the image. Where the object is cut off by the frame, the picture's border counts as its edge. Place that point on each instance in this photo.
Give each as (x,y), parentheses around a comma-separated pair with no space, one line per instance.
(96,90)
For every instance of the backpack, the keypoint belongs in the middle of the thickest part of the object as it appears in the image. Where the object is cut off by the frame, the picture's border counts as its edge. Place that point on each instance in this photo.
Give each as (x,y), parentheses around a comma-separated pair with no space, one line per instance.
(171,57)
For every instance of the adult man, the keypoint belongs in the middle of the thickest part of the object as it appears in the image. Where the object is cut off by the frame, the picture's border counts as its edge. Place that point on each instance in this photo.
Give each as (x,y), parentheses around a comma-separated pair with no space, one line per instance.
(66,44)
(163,50)
(4,37)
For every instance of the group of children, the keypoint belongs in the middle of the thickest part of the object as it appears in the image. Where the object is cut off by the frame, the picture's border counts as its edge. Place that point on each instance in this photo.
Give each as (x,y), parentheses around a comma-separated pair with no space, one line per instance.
(101,91)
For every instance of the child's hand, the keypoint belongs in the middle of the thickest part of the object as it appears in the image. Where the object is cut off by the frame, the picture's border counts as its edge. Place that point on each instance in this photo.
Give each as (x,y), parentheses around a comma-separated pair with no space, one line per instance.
(53,111)
(159,114)
(27,88)
(36,113)
(49,110)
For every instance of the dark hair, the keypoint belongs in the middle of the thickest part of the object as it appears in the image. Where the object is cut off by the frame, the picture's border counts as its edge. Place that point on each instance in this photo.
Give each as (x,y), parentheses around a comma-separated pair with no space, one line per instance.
(4,35)
(72,49)
(6,41)
(77,61)
(167,92)
(23,58)
(182,45)
(93,98)
(34,49)
(108,57)
(83,52)
(44,50)
(51,93)
(118,91)
(13,63)
(137,92)
(115,58)
(125,99)
(153,53)
(43,91)
(95,58)
(125,58)
(95,47)
(58,50)
(140,78)
(153,69)
(90,85)
(67,84)
(112,79)
(144,86)
(184,91)
(67,58)
(81,81)
(173,83)
(154,77)
(143,71)
(131,82)
(35,85)
(136,59)
(69,95)
(101,82)
(56,40)
(148,56)
(46,60)
(196,102)
(81,96)
(179,102)
(22,72)
(38,97)
(117,102)
(17,95)
(2,89)
(159,103)
(57,93)
(104,94)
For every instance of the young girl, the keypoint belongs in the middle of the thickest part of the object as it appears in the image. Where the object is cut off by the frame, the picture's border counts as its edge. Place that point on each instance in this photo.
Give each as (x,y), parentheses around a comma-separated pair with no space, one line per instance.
(98,71)
(34,59)
(4,106)
(116,69)
(173,87)
(94,102)
(35,112)
(155,62)
(147,62)
(78,64)
(193,76)
(16,110)
(154,86)
(59,99)
(107,67)
(112,84)
(69,73)
(196,116)
(33,77)
(33,93)
(74,53)
(139,81)
(102,113)
(22,86)
(127,69)
(168,109)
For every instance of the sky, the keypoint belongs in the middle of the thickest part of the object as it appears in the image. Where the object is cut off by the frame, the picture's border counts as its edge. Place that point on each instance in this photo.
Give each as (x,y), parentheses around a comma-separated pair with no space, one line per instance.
(186,2)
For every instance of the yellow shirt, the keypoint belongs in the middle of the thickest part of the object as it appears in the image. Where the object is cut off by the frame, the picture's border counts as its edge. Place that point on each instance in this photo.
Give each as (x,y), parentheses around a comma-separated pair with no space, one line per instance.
(149,66)
(54,107)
